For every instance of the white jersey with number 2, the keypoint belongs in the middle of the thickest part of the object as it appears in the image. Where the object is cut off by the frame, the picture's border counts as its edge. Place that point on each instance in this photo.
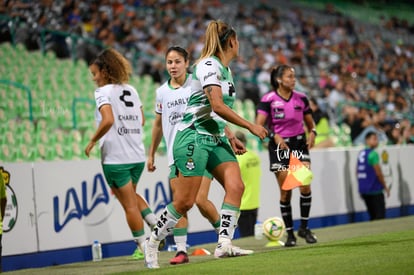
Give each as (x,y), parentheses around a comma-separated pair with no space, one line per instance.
(170,103)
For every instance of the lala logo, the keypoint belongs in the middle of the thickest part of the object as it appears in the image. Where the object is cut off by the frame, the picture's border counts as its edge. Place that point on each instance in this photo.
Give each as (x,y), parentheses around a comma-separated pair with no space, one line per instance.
(78,206)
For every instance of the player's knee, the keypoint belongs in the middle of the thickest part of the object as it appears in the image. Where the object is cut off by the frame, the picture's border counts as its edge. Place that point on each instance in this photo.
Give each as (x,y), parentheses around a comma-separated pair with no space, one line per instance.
(183,205)
(235,188)
(305,189)
(200,201)
(285,196)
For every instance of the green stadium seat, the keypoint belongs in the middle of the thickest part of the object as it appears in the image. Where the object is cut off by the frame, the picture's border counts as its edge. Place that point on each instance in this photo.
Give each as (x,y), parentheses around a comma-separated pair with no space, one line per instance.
(45,152)
(25,153)
(3,95)
(3,116)
(95,153)
(42,124)
(3,129)
(61,151)
(65,120)
(12,109)
(44,137)
(8,153)
(60,136)
(26,137)
(87,135)
(25,125)
(67,152)
(249,110)
(238,106)
(78,151)
(10,138)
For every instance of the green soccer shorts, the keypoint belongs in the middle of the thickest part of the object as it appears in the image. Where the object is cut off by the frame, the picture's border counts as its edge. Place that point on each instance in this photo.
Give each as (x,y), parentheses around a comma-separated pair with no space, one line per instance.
(194,153)
(118,175)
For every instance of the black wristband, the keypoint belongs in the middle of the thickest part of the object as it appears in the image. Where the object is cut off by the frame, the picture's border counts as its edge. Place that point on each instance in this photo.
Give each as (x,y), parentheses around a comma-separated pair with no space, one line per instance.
(314,132)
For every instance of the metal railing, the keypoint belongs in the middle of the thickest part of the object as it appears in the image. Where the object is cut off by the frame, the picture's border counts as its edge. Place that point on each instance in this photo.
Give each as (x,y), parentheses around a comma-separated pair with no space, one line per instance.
(24,88)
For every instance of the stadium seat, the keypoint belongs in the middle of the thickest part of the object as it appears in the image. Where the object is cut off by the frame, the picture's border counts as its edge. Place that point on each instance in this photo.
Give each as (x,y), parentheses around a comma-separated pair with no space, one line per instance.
(60,136)
(249,110)
(26,137)
(61,151)
(95,153)
(8,153)
(45,152)
(25,153)
(3,116)
(78,151)
(43,137)
(65,120)
(76,136)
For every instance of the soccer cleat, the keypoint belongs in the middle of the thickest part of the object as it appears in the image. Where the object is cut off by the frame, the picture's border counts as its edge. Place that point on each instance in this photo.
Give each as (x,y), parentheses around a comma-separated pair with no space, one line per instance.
(291,241)
(180,258)
(151,256)
(228,250)
(138,255)
(307,235)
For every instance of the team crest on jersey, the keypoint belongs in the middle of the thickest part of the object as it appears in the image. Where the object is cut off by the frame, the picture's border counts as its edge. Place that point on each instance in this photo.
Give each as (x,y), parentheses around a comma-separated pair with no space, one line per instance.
(190,165)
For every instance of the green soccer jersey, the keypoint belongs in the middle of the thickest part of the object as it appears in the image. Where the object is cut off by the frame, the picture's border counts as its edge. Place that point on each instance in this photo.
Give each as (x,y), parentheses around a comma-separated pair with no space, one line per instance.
(198,114)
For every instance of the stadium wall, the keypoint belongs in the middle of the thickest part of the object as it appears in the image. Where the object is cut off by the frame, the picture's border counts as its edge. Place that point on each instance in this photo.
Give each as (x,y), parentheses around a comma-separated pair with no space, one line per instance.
(55,210)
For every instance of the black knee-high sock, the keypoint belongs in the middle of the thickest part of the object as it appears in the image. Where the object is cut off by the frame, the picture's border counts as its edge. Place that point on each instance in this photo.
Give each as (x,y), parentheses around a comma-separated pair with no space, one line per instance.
(286,211)
(305,206)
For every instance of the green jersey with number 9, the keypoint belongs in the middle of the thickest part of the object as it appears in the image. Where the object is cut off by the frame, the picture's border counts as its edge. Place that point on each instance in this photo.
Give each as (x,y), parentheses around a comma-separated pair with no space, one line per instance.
(208,72)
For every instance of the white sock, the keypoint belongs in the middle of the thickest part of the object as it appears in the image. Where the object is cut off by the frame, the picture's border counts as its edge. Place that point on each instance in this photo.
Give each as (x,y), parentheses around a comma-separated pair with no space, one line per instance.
(228,222)
(149,217)
(180,238)
(165,223)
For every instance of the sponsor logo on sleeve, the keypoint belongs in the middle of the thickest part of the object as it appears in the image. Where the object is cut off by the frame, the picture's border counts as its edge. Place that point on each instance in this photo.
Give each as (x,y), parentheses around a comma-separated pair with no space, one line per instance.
(210,74)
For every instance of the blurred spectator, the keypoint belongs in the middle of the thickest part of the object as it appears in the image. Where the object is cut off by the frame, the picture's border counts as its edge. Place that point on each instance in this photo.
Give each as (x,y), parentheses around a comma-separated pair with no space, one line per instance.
(410,139)
(263,81)
(323,139)
(363,120)
(335,95)
(334,57)
(400,133)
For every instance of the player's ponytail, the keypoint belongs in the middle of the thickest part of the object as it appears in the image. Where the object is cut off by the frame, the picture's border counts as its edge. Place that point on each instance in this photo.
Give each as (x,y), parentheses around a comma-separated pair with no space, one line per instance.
(216,39)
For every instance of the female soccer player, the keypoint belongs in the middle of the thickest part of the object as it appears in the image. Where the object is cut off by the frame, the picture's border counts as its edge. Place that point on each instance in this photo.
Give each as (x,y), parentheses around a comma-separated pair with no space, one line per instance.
(286,110)
(201,144)
(120,118)
(171,101)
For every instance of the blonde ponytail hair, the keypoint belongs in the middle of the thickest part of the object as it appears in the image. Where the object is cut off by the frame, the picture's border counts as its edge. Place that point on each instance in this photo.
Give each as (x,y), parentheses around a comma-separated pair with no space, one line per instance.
(216,39)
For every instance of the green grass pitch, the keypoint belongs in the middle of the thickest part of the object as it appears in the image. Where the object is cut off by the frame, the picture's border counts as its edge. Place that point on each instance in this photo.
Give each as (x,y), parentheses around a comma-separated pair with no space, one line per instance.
(379,247)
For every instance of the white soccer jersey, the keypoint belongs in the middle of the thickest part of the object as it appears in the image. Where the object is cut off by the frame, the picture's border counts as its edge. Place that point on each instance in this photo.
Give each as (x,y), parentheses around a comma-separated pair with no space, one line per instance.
(170,103)
(199,114)
(123,143)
